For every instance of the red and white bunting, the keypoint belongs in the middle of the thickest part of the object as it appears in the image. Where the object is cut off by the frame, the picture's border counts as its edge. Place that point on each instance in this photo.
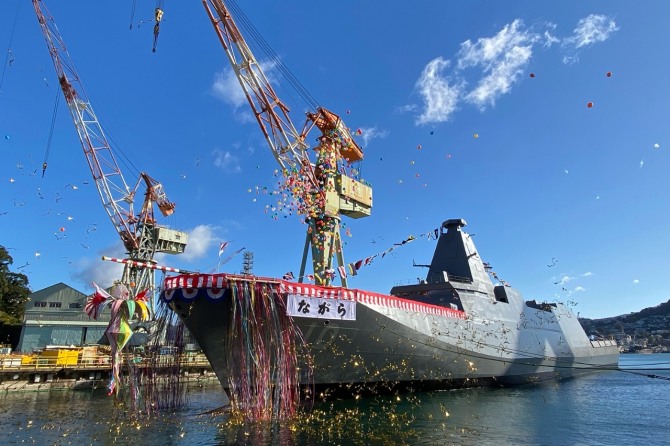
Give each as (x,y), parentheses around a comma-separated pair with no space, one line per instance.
(219,281)
(139,264)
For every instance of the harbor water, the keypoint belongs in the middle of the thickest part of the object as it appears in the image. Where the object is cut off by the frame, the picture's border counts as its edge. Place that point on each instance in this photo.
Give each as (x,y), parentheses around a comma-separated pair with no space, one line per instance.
(609,408)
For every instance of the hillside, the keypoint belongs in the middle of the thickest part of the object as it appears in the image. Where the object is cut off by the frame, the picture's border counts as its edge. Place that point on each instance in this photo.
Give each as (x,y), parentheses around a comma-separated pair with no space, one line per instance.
(647,327)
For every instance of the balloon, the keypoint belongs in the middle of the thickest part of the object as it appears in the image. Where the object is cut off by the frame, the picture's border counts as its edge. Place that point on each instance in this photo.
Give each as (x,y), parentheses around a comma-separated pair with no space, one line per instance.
(6,136)
(590,105)
(419,147)
(476,135)
(532,74)
(62,229)
(609,74)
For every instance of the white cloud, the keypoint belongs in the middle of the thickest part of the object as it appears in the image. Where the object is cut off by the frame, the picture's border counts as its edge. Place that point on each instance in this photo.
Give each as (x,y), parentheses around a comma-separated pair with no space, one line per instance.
(570,60)
(406,108)
(587,274)
(636,281)
(103,273)
(579,288)
(501,77)
(226,87)
(502,58)
(440,98)
(200,239)
(225,160)
(488,51)
(563,280)
(370,133)
(592,29)
(549,39)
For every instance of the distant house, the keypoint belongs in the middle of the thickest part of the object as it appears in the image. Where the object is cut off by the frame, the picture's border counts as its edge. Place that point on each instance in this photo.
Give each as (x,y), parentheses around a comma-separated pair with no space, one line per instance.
(55,316)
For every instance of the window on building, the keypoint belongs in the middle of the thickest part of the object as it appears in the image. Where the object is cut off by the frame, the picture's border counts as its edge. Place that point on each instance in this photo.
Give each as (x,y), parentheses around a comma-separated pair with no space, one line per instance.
(40,304)
(54,304)
(75,305)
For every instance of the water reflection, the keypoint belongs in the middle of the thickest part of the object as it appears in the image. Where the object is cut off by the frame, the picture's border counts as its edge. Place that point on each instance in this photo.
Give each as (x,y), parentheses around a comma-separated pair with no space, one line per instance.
(607,408)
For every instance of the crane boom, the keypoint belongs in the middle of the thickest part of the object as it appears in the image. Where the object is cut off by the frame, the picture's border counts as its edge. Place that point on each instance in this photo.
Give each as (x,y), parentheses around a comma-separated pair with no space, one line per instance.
(287,145)
(140,234)
(116,196)
(330,191)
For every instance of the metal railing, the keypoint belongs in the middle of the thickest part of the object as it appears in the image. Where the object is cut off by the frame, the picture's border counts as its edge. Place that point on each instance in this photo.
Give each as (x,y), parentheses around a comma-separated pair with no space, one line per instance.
(29,363)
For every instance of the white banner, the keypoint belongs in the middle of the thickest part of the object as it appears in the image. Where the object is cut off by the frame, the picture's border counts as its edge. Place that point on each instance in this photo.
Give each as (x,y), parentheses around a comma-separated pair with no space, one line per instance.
(318,308)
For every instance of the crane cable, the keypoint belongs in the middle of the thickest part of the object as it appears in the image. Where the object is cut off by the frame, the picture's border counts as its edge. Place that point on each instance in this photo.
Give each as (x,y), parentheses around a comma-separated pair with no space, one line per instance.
(132,13)
(51,133)
(302,91)
(8,61)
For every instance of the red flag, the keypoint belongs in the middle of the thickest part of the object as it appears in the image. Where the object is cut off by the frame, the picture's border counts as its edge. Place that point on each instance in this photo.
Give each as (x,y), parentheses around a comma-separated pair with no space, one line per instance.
(95,301)
(142,295)
(343,271)
(222,247)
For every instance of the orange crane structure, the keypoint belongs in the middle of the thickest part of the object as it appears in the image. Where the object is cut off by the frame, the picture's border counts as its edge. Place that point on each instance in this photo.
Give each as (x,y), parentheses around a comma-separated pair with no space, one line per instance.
(323,189)
(142,237)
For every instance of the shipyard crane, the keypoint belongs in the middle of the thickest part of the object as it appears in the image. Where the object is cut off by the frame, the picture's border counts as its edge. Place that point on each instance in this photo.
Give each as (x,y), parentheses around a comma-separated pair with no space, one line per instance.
(142,237)
(326,191)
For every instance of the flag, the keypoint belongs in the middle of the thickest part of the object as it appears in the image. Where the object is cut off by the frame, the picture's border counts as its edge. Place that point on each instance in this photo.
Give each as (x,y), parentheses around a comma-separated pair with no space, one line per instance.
(142,295)
(310,277)
(222,247)
(343,271)
(288,276)
(95,302)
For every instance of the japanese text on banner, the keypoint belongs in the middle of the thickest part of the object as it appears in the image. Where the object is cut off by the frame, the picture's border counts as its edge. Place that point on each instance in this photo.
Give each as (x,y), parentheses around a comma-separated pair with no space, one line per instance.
(318,308)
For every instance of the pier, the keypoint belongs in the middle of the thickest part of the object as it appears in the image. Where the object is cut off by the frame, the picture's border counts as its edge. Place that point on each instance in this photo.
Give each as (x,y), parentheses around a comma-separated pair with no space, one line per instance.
(74,369)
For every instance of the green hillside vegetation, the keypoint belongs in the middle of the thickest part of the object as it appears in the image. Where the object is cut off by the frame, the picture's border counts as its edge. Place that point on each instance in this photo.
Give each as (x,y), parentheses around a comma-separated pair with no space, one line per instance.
(646,328)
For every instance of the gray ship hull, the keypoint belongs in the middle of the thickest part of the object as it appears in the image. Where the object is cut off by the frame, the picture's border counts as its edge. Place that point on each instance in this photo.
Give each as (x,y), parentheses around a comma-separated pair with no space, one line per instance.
(391,346)
(456,328)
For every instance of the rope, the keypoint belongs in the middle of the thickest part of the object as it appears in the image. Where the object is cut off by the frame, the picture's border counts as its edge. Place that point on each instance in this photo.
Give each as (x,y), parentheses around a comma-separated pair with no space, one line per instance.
(132,13)
(51,132)
(9,47)
(267,49)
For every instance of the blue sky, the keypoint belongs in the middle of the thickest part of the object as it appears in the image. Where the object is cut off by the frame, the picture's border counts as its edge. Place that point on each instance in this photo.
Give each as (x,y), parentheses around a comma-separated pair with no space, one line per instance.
(566,202)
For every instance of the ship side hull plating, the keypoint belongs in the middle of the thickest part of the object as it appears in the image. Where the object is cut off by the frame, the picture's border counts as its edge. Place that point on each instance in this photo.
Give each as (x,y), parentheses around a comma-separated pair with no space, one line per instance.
(455,328)
(394,347)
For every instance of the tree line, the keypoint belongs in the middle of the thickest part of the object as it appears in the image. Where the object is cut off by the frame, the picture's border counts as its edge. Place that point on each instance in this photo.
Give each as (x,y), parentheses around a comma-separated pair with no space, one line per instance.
(14,292)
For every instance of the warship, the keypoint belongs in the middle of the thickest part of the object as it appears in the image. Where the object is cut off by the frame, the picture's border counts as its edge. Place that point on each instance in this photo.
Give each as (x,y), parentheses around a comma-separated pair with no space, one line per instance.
(453,329)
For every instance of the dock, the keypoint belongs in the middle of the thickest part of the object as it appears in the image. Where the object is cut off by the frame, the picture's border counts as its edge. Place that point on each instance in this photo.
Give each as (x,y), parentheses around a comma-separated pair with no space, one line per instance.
(73,369)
